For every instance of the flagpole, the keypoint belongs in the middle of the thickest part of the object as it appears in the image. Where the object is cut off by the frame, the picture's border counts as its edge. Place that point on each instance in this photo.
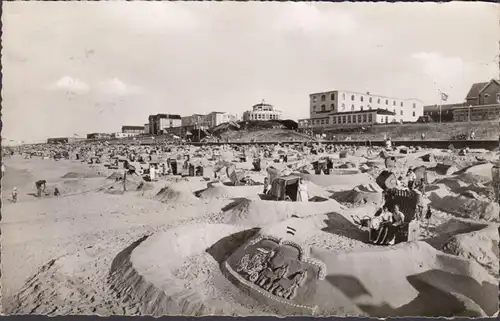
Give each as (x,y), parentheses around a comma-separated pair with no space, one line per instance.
(440,104)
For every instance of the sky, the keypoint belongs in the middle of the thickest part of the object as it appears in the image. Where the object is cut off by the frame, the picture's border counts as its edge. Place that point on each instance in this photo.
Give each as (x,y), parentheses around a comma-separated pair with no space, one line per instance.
(80,67)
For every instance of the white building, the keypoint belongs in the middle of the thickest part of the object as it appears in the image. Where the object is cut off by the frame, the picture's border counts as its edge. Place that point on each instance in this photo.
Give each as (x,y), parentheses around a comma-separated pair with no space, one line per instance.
(216,118)
(349,119)
(328,103)
(125,135)
(262,111)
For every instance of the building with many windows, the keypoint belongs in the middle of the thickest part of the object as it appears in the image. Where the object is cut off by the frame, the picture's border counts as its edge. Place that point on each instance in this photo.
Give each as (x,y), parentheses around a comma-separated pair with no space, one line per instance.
(216,118)
(262,111)
(162,123)
(99,136)
(331,102)
(349,119)
(133,129)
(337,109)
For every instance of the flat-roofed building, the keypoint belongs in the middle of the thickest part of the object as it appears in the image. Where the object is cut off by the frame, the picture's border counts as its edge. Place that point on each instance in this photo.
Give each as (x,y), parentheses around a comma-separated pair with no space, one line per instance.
(161,123)
(338,101)
(133,129)
(349,119)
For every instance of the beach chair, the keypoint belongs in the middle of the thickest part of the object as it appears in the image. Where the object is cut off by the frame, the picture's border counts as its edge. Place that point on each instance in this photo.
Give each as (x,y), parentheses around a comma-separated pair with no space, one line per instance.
(407,201)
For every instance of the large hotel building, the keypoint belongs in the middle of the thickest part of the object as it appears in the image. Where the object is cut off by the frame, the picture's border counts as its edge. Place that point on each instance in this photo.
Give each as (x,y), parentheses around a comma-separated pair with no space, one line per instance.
(337,109)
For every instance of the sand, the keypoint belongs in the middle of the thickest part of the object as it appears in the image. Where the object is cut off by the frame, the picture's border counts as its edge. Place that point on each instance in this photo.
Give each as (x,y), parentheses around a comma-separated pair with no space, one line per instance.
(157,250)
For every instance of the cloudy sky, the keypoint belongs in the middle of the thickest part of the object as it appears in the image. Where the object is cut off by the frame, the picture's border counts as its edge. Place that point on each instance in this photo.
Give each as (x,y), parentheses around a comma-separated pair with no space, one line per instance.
(79,67)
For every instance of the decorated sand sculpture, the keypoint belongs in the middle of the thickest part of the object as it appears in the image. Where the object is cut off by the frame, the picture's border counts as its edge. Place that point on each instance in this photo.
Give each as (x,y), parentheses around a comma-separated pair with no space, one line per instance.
(276,271)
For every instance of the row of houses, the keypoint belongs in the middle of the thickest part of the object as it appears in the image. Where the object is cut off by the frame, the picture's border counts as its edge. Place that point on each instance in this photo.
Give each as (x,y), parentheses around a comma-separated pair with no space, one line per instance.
(481,103)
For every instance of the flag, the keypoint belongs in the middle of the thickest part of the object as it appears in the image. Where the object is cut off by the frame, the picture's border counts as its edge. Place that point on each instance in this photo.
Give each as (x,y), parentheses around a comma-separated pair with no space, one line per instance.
(444,96)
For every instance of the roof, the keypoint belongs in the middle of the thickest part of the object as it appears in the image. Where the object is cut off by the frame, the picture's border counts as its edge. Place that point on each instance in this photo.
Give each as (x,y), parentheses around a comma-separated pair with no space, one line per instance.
(168,116)
(477,88)
(360,93)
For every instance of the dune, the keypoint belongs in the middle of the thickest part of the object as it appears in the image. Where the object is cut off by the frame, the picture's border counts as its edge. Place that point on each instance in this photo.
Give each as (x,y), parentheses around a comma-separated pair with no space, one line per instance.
(404,281)
(176,194)
(338,182)
(466,207)
(259,212)
(221,191)
(362,194)
(478,245)
(171,273)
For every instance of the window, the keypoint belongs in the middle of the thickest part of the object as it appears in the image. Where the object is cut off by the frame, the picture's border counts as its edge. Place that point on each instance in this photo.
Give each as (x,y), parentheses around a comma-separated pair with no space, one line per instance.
(323,108)
(334,120)
(413,114)
(387,102)
(370,107)
(344,119)
(364,118)
(352,107)
(370,100)
(354,118)
(352,97)
(313,108)
(378,101)
(332,106)
(343,96)
(498,98)
(401,113)
(314,98)
(414,105)
(370,118)
(394,103)
(332,96)
(349,119)
(322,122)
(394,110)
(401,104)
(327,121)
(343,106)
(359,118)
(323,97)
(361,108)
(361,98)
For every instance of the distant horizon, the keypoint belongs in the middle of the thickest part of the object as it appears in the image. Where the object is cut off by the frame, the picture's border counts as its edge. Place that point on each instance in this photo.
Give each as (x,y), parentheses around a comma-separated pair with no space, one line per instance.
(64,76)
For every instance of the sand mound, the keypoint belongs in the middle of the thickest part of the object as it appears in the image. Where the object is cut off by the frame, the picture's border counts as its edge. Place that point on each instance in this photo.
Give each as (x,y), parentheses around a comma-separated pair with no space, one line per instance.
(172,273)
(407,280)
(221,191)
(480,246)
(482,170)
(338,182)
(259,212)
(89,174)
(115,176)
(362,194)
(176,194)
(466,207)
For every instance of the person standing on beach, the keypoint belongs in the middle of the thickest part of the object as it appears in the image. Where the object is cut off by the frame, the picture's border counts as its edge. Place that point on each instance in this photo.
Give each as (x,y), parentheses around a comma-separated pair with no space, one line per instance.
(14,195)
(302,193)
